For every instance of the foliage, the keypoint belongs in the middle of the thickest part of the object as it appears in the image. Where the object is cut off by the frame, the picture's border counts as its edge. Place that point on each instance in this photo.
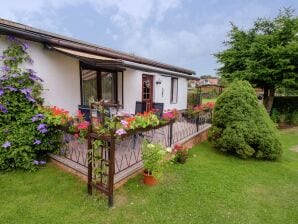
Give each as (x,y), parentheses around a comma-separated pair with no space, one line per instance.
(153,158)
(143,120)
(119,124)
(24,134)
(59,117)
(285,109)
(265,55)
(275,116)
(294,118)
(241,126)
(180,153)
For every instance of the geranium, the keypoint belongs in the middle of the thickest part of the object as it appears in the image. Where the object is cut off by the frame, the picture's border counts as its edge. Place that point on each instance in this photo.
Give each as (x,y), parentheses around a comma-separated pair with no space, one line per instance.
(59,111)
(80,115)
(56,116)
(168,116)
(83,125)
(199,108)
(181,153)
(129,121)
(210,105)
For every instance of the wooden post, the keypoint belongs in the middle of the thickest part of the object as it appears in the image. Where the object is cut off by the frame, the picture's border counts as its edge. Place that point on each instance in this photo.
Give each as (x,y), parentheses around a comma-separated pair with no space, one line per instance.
(170,134)
(89,155)
(111,171)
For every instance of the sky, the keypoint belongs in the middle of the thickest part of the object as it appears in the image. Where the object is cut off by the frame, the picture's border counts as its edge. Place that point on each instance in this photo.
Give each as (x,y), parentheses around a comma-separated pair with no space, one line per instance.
(184,33)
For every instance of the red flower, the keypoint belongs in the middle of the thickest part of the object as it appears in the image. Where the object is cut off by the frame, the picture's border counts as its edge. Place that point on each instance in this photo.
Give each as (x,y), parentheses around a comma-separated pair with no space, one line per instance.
(83,125)
(59,111)
(80,115)
(179,147)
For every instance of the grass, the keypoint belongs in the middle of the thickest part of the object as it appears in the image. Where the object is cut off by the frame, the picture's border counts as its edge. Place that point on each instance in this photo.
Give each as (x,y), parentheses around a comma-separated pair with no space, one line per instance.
(205,100)
(210,188)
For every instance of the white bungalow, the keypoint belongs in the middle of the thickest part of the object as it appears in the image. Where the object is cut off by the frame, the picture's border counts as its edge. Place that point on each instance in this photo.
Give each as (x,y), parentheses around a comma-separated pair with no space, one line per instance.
(75,71)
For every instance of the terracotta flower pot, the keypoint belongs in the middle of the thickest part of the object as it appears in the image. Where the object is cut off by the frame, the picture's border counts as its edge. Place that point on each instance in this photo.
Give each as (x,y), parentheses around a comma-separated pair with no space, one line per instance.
(149,179)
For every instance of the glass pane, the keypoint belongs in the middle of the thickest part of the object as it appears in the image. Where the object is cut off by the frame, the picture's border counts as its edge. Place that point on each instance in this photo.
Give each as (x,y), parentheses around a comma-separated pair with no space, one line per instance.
(174,90)
(107,85)
(89,86)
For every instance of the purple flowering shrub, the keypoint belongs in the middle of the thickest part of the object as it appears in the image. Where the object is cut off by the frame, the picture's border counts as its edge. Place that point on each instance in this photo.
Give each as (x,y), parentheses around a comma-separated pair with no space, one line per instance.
(24,134)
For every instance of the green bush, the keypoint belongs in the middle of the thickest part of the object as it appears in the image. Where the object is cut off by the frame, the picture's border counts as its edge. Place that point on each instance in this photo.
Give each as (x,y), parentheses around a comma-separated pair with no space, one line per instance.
(294,118)
(275,116)
(25,137)
(241,126)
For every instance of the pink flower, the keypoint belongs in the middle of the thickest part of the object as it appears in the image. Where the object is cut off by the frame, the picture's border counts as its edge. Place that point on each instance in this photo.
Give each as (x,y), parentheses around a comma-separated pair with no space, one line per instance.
(83,125)
(168,116)
(124,123)
(120,132)
(76,135)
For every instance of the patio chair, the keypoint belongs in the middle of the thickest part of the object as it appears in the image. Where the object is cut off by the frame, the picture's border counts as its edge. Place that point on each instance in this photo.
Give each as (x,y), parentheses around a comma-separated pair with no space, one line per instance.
(140,107)
(159,108)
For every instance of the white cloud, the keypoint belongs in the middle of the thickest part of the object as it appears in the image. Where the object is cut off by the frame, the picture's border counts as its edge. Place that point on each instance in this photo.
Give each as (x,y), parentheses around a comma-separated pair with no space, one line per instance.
(137,25)
(31,13)
(131,14)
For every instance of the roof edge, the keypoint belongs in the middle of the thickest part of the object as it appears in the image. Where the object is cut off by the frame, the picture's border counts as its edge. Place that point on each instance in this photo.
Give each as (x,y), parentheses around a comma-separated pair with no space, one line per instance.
(34,34)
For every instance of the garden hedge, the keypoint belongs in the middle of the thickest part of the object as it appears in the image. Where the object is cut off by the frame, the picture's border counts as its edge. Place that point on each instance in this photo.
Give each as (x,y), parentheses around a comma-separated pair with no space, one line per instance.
(285,103)
(241,125)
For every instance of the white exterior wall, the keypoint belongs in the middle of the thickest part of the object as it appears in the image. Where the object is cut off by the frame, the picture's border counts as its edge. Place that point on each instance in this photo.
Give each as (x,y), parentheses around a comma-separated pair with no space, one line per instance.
(161,92)
(61,75)
(132,89)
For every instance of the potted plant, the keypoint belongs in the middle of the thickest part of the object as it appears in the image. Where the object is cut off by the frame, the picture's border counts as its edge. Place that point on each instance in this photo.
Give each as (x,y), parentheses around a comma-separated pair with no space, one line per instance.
(180,153)
(153,158)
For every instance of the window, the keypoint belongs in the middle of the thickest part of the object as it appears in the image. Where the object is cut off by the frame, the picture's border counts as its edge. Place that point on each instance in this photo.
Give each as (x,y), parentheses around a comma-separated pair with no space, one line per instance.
(89,86)
(108,86)
(174,90)
(98,85)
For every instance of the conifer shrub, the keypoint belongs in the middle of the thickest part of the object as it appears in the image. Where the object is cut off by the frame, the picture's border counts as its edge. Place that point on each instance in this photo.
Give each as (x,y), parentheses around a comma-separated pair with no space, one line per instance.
(241,125)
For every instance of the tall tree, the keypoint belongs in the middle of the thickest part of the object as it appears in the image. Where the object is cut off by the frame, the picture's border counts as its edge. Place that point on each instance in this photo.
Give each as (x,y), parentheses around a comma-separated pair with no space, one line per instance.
(266,55)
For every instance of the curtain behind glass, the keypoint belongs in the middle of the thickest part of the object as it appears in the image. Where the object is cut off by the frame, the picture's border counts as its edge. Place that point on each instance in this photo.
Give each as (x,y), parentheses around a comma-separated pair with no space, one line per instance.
(89,86)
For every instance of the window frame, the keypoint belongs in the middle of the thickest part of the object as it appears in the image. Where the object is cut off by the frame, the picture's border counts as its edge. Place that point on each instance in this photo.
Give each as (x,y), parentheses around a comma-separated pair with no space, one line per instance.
(172,97)
(99,81)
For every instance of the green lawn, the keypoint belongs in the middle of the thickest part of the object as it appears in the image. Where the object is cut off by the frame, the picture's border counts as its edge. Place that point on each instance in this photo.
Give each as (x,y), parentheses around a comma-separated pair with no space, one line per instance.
(210,188)
(205,100)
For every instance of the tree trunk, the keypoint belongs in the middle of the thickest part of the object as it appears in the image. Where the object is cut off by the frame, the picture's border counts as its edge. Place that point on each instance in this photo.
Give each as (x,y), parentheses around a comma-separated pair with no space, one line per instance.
(265,98)
(270,100)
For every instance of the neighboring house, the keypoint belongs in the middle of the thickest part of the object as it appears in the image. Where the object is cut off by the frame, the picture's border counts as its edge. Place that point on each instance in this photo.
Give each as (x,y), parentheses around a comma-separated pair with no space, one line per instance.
(208,81)
(75,71)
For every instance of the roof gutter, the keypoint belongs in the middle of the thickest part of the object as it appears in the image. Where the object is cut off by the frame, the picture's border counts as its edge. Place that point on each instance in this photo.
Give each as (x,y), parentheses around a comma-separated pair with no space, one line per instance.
(32,35)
